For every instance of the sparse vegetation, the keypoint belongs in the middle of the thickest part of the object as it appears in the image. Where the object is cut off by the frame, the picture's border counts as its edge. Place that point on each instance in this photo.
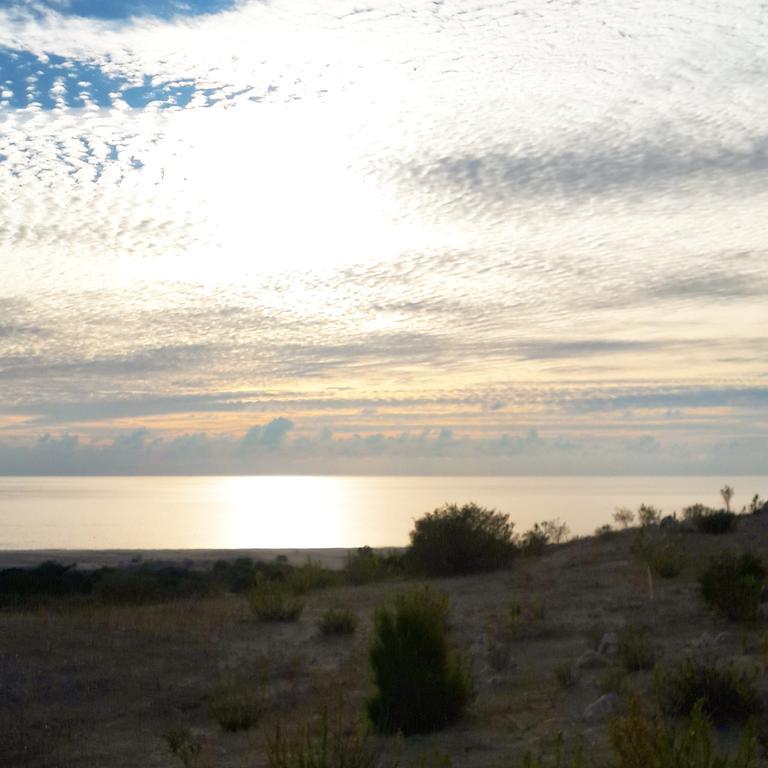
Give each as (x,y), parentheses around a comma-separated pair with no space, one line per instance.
(640,741)
(635,648)
(726,694)
(455,540)
(366,566)
(421,684)
(338,621)
(624,517)
(184,745)
(236,705)
(275,602)
(648,515)
(333,743)
(734,585)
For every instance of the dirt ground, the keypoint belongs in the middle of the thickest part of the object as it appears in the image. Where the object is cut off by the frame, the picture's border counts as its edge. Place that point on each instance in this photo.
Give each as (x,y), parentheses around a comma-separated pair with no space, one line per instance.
(99,686)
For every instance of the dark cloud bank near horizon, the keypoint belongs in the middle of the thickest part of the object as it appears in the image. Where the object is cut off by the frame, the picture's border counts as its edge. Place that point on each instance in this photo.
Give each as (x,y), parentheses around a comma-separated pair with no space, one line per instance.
(270,448)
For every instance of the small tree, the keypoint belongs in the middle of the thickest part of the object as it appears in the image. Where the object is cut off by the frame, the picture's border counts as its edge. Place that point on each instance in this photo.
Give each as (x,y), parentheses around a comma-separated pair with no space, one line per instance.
(421,684)
(624,517)
(648,515)
(727,493)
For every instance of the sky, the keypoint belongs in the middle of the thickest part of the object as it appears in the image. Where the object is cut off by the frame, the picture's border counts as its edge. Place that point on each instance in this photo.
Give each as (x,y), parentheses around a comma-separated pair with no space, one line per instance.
(369,238)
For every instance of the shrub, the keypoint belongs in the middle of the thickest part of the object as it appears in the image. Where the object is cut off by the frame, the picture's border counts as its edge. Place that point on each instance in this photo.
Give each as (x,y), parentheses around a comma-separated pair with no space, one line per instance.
(311,576)
(726,694)
(733,584)
(458,540)
(648,515)
(635,648)
(533,542)
(366,566)
(235,706)
(275,603)
(338,621)
(717,522)
(638,741)
(332,744)
(421,685)
(555,531)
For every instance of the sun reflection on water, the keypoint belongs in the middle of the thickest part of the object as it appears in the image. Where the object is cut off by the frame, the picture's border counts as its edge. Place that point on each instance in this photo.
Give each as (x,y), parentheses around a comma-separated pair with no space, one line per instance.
(284,511)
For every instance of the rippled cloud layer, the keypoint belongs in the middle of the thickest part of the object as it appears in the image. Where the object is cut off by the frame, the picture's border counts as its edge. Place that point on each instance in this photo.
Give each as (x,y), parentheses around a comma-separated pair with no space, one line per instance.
(383,226)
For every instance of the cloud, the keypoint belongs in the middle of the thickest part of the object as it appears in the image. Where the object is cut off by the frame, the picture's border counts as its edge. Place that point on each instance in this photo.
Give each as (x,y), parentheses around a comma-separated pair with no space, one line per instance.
(588,170)
(270,436)
(269,449)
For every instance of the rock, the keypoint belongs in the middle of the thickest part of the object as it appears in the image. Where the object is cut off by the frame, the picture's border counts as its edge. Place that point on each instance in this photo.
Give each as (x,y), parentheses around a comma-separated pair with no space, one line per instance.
(591,660)
(723,638)
(609,644)
(603,708)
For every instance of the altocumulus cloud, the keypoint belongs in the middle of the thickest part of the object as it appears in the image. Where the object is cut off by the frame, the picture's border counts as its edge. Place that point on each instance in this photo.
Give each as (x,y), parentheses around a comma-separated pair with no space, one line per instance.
(472,227)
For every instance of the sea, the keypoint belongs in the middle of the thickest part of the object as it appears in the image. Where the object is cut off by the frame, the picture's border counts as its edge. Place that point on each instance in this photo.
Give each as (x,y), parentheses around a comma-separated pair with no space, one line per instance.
(314,511)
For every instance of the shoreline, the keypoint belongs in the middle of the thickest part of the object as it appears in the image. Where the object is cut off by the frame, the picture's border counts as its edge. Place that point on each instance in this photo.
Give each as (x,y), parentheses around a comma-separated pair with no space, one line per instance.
(332,557)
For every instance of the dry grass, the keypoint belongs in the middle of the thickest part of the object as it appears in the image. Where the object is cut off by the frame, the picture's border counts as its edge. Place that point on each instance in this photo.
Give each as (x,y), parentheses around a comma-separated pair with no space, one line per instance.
(98,687)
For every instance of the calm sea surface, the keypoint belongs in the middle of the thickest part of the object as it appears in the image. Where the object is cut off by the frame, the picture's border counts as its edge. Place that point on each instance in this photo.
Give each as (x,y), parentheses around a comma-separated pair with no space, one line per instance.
(279,511)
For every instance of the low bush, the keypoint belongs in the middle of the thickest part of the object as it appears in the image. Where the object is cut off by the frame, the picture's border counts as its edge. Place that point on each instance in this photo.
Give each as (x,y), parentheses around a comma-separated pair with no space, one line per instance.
(717,522)
(635,648)
(421,684)
(455,540)
(366,566)
(338,621)
(734,584)
(311,576)
(275,602)
(707,520)
(235,706)
(726,694)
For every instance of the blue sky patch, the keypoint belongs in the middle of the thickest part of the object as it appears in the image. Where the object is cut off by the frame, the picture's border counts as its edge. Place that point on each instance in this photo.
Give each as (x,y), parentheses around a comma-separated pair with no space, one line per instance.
(127,9)
(25,79)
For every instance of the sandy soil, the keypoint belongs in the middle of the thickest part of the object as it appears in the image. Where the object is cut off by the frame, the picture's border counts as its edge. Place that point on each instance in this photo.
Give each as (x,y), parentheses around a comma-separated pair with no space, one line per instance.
(98,687)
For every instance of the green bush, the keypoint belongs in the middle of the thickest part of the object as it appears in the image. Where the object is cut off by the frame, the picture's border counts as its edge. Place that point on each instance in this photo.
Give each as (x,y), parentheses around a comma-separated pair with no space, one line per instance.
(456,540)
(635,648)
(275,602)
(338,621)
(660,550)
(733,584)
(421,684)
(727,694)
(235,706)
